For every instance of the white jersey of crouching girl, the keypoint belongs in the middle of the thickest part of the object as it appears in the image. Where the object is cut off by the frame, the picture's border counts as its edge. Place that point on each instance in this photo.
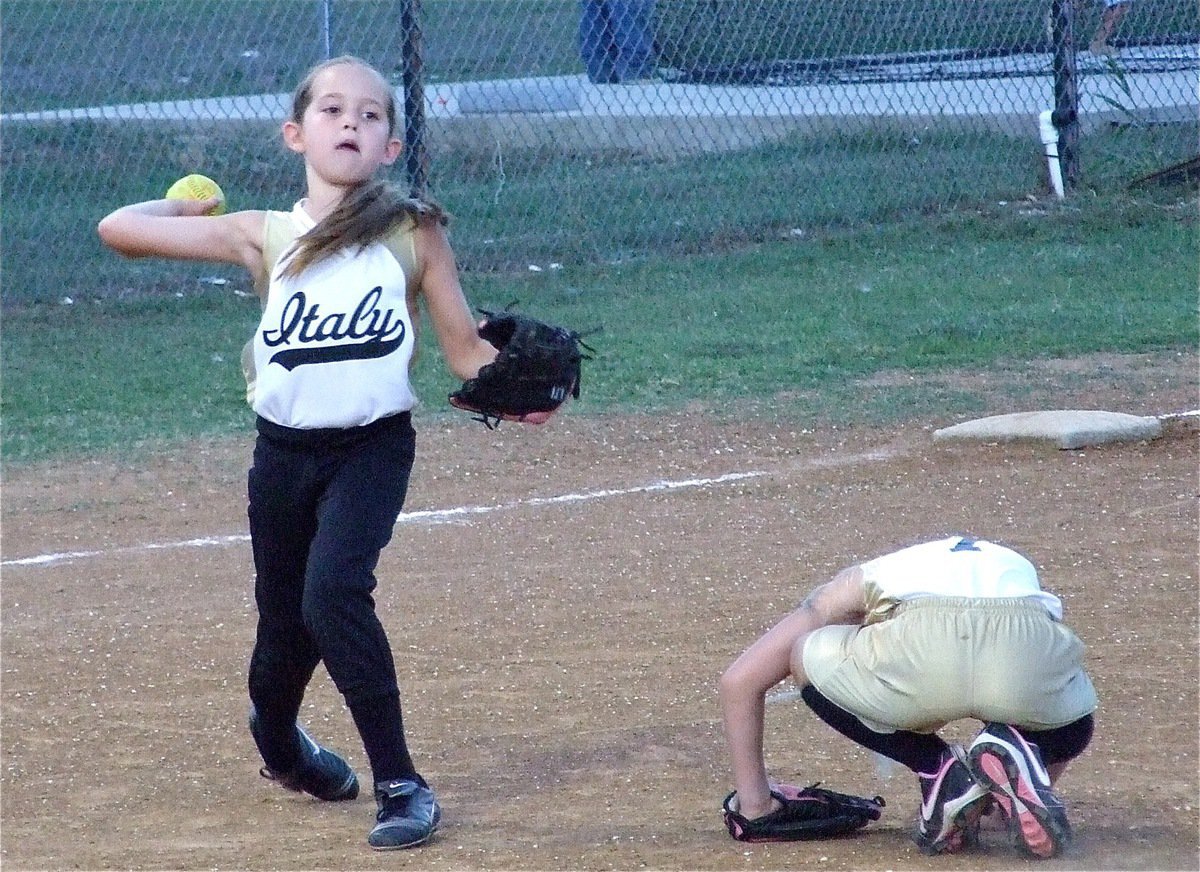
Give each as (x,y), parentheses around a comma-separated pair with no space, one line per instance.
(956,567)
(334,344)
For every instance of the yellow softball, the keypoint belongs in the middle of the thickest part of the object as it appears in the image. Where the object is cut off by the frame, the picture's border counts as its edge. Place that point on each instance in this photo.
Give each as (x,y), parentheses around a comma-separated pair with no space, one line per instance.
(198,187)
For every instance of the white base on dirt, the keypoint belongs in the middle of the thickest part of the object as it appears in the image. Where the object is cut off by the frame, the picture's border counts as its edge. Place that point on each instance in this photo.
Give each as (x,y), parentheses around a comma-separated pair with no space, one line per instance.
(1067,428)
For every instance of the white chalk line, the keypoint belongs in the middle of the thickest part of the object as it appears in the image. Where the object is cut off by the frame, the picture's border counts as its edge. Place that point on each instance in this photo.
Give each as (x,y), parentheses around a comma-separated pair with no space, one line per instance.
(441,516)
(431,516)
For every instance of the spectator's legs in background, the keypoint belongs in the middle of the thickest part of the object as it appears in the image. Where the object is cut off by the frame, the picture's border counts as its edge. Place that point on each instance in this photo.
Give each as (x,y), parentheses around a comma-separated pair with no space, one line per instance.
(595,41)
(632,24)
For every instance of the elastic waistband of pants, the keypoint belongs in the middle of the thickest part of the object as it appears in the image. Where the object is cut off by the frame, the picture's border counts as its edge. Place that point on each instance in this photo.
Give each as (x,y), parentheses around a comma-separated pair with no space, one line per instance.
(962,603)
(330,437)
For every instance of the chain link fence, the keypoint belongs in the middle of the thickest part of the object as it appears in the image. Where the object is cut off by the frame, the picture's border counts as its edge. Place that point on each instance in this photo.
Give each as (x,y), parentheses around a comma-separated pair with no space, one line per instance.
(568,132)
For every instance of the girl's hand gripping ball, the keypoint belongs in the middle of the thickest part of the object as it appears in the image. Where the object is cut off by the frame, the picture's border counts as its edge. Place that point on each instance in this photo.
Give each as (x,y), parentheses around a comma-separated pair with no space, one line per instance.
(198,187)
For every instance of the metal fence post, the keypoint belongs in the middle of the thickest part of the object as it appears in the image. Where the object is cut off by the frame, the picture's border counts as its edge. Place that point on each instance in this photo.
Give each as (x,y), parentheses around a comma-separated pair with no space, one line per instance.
(1066,88)
(416,158)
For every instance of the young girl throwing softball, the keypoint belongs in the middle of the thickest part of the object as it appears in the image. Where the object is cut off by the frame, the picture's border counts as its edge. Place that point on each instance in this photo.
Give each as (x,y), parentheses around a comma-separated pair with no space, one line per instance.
(329,383)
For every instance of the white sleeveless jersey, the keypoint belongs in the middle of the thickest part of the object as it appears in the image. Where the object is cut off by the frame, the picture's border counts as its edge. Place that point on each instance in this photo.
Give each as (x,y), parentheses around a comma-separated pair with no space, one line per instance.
(957,567)
(334,343)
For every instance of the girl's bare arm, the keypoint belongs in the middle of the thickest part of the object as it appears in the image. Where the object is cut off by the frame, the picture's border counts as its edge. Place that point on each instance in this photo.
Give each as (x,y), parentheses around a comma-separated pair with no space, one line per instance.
(179,230)
(456,328)
(764,664)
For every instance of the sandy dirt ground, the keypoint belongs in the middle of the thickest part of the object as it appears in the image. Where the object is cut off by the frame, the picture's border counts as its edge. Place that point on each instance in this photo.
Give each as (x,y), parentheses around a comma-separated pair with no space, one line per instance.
(560,601)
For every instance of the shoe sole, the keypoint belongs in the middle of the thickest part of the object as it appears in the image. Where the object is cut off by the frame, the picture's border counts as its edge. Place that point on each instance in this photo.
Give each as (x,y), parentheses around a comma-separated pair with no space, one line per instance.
(1039,830)
(413,844)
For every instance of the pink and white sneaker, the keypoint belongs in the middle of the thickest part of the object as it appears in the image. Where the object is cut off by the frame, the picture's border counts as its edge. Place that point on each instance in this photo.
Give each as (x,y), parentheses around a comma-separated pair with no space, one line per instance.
(951,805)
(1011,768)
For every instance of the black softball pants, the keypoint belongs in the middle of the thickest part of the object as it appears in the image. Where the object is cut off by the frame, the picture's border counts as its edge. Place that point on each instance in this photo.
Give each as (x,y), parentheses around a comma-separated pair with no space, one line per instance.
(322,505)
(922,752)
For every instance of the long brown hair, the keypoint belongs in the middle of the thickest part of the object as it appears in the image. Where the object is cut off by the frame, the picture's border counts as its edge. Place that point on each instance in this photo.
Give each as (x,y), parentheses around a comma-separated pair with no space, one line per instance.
(368,212)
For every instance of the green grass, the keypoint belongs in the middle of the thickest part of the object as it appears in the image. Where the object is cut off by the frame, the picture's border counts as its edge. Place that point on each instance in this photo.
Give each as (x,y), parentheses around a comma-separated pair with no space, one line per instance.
(804,319)
(93,376)
(895,252)
(573,209)
(624,204)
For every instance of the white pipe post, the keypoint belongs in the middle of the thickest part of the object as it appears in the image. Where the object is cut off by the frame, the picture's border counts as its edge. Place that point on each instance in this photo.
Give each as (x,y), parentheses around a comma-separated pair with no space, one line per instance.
(1049,135)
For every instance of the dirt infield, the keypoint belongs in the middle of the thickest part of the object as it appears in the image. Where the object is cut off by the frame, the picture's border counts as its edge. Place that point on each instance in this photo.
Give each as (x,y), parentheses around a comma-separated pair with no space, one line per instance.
(559,644)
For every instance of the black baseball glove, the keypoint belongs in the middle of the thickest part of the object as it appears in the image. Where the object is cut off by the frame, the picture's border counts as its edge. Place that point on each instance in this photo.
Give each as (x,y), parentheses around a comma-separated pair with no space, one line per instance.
(538,367)
(807,813)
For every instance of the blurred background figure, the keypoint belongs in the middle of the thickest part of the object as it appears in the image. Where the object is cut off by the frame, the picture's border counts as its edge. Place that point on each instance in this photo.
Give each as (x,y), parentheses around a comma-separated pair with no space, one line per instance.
(616,40)
(1114,13)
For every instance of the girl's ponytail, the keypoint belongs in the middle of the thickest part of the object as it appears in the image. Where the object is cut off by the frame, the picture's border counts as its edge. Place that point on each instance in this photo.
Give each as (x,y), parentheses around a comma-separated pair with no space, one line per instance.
(365,215)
